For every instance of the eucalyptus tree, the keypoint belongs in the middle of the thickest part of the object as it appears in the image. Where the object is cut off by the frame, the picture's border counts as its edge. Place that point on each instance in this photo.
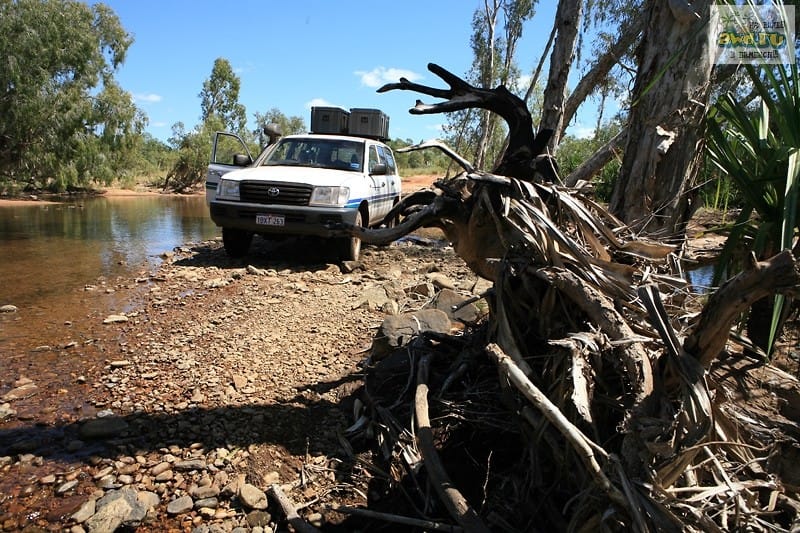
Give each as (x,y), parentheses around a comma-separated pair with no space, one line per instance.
(288,125)
(567,23)
(497,28)
(656,188)
(220,97)
(63,119)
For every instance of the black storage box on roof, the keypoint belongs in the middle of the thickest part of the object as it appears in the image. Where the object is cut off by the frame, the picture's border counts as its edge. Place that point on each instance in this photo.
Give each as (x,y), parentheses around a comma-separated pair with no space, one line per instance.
(332,120)
(372,123)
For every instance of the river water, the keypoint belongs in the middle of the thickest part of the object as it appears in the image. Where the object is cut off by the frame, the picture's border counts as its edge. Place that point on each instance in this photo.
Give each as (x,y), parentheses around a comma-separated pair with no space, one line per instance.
(60,262)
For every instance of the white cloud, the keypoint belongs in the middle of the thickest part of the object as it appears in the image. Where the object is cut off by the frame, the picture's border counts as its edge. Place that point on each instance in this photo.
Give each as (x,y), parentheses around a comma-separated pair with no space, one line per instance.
(382,75)
(581,131)
(148,98)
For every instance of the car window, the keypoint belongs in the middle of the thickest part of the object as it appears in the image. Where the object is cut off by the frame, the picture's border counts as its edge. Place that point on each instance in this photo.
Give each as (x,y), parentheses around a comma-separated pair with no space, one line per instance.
(388,158)
(374,157)
(322,153)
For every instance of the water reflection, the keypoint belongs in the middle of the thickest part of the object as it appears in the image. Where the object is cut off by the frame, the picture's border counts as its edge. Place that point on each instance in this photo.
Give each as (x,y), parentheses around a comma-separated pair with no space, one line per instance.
(50,249)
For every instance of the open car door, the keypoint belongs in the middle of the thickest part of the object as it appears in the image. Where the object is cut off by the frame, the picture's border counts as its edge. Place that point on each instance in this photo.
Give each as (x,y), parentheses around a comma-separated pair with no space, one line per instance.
(228,153)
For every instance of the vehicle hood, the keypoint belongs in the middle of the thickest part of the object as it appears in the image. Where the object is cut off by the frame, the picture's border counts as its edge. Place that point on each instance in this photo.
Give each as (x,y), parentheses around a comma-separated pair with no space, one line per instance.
(281,174)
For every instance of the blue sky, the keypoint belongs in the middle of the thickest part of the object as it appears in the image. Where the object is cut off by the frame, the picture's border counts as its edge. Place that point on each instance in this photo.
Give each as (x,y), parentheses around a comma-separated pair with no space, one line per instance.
(292,55)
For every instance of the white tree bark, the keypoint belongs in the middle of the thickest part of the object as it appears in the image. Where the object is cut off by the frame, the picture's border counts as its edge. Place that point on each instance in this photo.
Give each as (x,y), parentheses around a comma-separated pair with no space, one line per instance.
(655,190)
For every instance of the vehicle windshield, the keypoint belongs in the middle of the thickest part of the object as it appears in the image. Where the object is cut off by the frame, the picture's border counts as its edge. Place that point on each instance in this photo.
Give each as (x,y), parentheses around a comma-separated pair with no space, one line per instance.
(318,153)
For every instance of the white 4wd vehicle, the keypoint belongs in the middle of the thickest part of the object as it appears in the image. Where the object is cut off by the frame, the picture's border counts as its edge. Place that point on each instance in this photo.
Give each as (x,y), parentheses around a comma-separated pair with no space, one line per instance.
(301,185)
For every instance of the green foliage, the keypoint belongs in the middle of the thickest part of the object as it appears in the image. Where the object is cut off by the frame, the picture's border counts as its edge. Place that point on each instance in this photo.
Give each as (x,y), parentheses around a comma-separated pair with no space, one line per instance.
(573,151)
(220,97)
(220,111)
(476,134)
(289,125)
(192,149)
(418,162)
(759,150)
(64,122)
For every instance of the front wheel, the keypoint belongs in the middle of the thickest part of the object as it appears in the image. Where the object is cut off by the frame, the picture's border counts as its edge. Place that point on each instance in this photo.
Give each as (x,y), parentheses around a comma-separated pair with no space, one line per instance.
(349,248)
(236,241)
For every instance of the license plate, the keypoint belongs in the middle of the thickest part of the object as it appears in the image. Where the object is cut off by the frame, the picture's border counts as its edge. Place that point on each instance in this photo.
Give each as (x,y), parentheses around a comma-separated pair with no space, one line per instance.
(270,220)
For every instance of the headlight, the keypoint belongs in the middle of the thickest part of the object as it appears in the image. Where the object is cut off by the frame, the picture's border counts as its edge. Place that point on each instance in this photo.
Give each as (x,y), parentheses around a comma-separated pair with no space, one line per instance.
(228,189)
(331,196)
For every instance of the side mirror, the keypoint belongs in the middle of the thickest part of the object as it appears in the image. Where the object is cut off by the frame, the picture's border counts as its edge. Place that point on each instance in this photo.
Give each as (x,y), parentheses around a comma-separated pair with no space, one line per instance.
(241,160)
(378,170)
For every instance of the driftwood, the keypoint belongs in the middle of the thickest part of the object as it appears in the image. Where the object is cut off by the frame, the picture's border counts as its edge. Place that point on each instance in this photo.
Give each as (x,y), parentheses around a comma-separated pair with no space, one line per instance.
(612,390)
(290,511)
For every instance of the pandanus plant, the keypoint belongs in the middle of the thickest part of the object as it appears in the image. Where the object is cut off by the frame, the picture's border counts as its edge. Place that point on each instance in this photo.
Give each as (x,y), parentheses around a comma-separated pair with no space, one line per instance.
(758,148)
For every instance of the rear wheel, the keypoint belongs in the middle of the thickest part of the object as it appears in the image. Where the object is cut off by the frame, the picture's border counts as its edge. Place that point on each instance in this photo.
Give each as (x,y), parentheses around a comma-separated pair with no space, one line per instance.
(236,241)
(349,248)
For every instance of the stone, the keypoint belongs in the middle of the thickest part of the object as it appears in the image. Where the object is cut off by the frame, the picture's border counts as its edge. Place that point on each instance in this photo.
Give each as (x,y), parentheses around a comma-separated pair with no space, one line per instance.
(398,330)
(440,280)
(18,393)
(160,467)
(114,319)
(66,487)
(8,308)
(448,298)
(253,497)
(181,505)
(208,503)
(258,518)
(103,428)
(148,499)
(202,493)
(85,511)
(191,464)
(6,411)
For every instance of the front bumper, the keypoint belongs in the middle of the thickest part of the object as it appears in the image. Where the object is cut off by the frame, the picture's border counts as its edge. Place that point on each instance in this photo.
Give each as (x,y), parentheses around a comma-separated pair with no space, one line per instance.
(307,221)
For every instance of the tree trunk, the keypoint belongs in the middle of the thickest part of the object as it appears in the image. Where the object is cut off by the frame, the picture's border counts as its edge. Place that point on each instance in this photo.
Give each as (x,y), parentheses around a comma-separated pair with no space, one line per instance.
(601,67)
(592,166)
(568,19)
(655,190)
(487,77)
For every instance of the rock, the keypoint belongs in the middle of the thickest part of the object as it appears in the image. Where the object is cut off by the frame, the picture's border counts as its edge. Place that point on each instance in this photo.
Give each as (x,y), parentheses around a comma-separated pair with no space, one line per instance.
(373,298)
(102,428)
(114,319)
(208,503)
(448,298)
(397,330)
(66,487)
(19,393)
(6,411)
(215,283)
(253,497)
(181,505)
(202,493)
(256,271)
(258,518)
(191,464)
(160,467)
(117,508)
(8,308)
(85,512)
(348,267)
(440,280)
(120,363)
(239,381)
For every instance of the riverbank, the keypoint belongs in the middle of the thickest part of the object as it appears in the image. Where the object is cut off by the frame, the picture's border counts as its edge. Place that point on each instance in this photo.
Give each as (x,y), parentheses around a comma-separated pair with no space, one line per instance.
(225,378)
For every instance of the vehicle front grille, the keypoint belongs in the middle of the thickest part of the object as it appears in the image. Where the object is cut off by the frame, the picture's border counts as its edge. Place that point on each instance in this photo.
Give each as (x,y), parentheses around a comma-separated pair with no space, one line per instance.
(262,192)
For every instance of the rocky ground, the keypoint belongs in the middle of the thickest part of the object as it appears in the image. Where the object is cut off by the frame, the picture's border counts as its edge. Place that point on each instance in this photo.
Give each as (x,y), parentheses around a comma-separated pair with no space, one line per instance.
(227,384)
